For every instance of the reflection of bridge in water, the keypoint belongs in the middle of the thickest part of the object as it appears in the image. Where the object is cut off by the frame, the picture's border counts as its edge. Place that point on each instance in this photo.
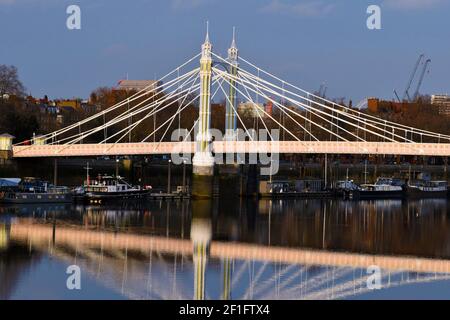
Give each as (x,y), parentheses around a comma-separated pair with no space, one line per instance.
(44,235)
(267,271)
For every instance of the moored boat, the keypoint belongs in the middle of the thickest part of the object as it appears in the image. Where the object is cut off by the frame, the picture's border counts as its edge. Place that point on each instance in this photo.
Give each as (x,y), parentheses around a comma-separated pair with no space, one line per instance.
(346,188)
(383,188)
(32,190)
(108,188)
(431,189)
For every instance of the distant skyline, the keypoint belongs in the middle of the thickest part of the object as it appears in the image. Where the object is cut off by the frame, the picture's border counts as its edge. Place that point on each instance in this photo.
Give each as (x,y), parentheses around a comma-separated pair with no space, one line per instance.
(305,42)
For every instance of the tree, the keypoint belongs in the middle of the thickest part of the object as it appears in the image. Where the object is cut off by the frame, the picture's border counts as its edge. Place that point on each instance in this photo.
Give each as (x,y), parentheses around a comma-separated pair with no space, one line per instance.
(17,120)
(9,81)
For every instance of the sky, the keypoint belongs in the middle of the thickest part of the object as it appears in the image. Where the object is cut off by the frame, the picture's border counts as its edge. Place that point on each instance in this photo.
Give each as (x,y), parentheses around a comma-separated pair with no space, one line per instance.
(305,42)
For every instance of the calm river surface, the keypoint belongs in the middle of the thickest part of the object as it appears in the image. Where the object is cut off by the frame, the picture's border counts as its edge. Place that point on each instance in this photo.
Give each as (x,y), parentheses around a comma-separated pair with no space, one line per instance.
(154,250)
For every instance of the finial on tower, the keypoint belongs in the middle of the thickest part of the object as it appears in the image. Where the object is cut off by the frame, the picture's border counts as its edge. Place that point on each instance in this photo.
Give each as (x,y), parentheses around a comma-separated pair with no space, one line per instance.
(206,46)
(207,31)
(233,43)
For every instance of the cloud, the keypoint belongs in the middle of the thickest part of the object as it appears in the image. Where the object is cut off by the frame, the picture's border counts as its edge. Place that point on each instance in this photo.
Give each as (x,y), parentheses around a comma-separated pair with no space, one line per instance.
(304,9)
(412,4)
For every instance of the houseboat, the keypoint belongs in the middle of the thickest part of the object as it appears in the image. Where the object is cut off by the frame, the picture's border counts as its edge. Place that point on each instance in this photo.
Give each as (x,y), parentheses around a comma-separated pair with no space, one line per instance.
(32,190)
(431,189)
(308,188)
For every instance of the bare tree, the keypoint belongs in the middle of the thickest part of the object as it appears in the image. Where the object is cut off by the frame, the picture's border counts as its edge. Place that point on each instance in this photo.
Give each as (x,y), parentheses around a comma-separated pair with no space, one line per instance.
(9,81)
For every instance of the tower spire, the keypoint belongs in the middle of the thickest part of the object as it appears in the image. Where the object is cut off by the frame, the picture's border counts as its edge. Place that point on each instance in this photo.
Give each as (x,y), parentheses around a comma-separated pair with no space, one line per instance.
(206,46)
(233,51)
(233,43)
(207,31)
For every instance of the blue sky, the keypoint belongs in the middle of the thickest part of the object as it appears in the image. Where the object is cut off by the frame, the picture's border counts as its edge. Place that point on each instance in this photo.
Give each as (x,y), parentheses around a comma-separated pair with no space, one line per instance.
(306,42)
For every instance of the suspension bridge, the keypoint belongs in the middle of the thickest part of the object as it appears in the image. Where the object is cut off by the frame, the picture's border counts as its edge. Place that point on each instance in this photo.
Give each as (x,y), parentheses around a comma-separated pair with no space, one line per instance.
(306,123)
(317,125)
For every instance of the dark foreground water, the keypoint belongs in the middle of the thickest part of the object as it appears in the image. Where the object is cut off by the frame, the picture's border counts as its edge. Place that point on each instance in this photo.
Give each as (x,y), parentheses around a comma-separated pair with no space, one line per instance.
(223,249)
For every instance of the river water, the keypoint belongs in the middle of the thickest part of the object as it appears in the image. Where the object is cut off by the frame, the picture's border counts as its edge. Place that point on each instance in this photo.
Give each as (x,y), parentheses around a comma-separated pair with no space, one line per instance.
(153,250)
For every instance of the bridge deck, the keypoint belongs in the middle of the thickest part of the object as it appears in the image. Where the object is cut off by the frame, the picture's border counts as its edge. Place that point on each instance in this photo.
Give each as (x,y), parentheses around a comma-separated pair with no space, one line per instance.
(305,147)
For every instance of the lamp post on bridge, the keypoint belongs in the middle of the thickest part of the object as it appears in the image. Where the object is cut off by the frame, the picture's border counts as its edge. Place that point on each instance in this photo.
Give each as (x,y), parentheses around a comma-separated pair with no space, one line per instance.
(184,176)
(169,176)
(55,172)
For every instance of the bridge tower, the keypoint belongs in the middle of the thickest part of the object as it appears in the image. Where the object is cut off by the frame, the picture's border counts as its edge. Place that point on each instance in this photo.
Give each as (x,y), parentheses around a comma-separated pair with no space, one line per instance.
(229,172)
(203,161)
(230,115)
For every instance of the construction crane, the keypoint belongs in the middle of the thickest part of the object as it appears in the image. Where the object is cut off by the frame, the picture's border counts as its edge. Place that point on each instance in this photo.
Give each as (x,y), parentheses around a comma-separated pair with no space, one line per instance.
(396,95)
(425,67)
(408,86)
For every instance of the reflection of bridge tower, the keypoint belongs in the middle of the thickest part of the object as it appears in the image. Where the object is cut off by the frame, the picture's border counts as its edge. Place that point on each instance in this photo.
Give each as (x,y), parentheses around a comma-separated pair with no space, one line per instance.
(203,161)
(227,270)
(4,237)
(201,234)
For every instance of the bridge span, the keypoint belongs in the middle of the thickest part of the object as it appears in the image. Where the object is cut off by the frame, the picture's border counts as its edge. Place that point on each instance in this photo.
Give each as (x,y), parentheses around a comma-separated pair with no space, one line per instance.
(308,123)
(234,147)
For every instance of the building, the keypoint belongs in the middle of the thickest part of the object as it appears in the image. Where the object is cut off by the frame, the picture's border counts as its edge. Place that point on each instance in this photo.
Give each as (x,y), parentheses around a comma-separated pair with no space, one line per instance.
(89,108)
(442,101)
(69,104)
(269,107)
(375,105)
(251,109)
(138,85)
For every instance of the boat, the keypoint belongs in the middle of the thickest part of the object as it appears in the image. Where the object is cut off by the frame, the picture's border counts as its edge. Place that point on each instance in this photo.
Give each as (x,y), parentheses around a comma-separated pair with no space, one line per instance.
(32,190)
(108,188)
(383,188)
(424,188)
(305,188)
(346,188)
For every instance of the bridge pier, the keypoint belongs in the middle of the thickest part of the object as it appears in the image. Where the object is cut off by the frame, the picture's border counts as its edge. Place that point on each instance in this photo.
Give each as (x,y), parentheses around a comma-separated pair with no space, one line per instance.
(202,182)
(229,180)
